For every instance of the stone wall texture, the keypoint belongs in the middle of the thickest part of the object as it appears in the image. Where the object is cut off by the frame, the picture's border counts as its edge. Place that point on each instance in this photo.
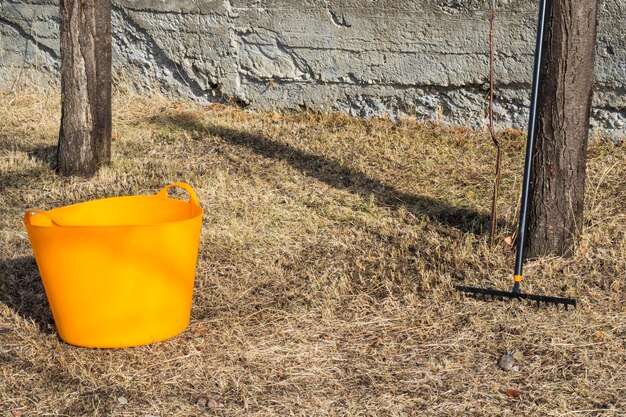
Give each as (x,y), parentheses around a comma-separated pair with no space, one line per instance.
(422,58)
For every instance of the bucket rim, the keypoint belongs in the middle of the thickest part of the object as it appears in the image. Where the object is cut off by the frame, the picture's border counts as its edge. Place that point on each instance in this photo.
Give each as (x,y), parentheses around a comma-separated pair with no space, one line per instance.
(193,201)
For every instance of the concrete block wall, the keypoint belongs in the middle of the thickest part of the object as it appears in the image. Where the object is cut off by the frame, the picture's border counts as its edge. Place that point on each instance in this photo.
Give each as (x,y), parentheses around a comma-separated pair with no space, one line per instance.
(422,58)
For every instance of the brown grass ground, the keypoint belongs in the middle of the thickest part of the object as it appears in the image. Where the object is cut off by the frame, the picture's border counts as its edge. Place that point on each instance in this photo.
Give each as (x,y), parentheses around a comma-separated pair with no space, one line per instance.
(325,279)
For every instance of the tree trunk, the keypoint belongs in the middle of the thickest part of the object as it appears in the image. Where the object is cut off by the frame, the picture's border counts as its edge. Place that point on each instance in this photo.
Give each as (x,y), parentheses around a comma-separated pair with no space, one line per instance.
(564,106)
(85,134)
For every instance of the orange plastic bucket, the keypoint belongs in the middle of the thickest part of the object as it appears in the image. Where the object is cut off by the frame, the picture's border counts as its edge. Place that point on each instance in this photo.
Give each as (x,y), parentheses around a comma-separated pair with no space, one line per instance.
(118,271)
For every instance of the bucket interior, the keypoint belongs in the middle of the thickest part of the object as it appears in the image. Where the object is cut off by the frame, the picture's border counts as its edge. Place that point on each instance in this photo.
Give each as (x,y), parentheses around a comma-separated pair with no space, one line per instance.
(126,211)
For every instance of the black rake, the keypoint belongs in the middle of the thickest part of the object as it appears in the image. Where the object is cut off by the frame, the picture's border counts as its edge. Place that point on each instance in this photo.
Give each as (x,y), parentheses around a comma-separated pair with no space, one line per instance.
(516,293)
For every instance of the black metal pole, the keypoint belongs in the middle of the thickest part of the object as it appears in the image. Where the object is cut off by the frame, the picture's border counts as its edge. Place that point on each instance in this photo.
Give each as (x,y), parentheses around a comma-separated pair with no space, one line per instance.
(530,146)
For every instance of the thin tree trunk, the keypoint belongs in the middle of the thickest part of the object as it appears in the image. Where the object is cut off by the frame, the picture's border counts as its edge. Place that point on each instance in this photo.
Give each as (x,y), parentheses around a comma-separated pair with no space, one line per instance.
(85,134)
(558,181)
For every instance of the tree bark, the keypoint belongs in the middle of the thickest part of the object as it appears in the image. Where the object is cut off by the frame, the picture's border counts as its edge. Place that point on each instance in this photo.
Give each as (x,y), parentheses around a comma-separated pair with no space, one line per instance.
(85,134)
(564,106)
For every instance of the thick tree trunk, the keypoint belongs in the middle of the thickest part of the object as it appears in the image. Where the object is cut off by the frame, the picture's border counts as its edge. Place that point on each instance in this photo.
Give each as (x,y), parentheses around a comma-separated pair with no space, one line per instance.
(559,164)
(85,135)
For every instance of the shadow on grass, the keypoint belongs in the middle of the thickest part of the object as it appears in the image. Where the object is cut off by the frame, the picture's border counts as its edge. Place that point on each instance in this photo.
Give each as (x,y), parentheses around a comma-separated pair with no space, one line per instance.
(21,290)
(45,154)
(18,180)
(339,176)
(24,177)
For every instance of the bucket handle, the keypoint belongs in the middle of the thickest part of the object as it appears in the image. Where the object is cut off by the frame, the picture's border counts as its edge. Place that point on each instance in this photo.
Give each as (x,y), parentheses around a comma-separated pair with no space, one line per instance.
(30,213)
(193,198)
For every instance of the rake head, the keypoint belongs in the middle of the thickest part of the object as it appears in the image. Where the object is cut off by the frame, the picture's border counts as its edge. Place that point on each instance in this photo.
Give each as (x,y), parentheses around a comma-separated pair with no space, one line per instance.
(490,294)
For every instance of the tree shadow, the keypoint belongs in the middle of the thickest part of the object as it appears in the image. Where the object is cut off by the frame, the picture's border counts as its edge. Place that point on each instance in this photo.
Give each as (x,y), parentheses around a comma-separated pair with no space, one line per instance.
(339,176)
(23,177)
(21,290)
(18,180)
(47,155)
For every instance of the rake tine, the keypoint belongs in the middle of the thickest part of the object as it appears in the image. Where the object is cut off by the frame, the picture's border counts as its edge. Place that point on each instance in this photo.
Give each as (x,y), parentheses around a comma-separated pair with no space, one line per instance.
(492,294)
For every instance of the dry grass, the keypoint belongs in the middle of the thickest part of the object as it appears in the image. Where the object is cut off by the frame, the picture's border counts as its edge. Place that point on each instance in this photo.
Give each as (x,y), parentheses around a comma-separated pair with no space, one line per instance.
(324,287)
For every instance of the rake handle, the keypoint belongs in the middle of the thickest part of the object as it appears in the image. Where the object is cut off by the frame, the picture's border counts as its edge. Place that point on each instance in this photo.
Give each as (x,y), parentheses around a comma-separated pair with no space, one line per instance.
(530,147)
